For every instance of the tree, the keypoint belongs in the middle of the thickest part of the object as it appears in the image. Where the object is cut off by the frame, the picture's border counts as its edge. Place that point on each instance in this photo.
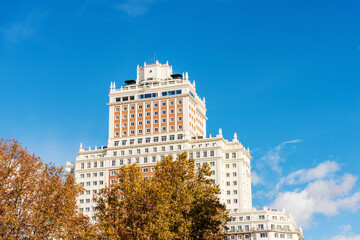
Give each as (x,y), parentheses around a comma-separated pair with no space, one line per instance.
(178,202)
(37,200)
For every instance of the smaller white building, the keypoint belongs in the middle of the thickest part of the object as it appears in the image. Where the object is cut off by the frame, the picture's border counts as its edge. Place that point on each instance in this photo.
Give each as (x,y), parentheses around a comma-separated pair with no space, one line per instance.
(265,224)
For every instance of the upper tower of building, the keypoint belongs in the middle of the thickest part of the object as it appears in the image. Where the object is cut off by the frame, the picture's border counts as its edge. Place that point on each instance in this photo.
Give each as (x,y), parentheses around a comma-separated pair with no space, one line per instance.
(158,102)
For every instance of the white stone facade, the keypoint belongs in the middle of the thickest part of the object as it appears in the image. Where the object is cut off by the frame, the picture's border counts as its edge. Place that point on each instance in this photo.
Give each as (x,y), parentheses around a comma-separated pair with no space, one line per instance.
(158,115)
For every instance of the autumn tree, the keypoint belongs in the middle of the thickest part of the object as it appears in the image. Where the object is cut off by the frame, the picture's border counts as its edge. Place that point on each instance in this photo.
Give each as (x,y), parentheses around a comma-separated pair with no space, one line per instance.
(178,202)
(37,200)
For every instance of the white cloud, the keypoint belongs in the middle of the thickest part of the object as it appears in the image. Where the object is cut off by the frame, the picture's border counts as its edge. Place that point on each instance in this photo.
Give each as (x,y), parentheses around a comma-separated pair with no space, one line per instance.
(323,196)
(304,175)
(23,29)
(255,179)
(134,7)
(346,234)
(273,158)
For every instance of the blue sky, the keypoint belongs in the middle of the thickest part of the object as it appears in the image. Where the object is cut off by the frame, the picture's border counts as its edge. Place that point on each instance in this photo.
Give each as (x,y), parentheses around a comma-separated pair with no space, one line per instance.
(284,75)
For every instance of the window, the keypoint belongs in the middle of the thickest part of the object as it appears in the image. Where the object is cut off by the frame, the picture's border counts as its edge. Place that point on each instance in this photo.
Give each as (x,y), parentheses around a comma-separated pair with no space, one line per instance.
(263,234)
(172,119)
(234,183)
(101,182)
(179,118)
(171,111)
(171,103)
(147,105)
(163,128)
(121,162)
(81,200)
(117,125)
(123,142)
(140,131)
(179,110)
(234,174)
(180,136)
(147,122)
(156,139)
(164,120)
(124,116)
(101,174)
(163,112)
(147,140)
(163,149)
(113,163)
(234,192)
(212,163)
(132,115)
(227,183)
(179,147)
(140,106)
(124,108)
(154,149)
(101,164)
(163,104)
(148,114)
(204,154)
(172,137)
(235,201)
(180,126)
(156,113)
(156,104)
(156,121)
(117,117)
(156,129)
(234,165)
(132,107)
(95,174)
(172,128)
(262,217)
(117,109)
(154,159)
(140,115)
(227,156)
(145,170)
(233,155)
(94,182)
(145,160)
(163,138)
(148,130)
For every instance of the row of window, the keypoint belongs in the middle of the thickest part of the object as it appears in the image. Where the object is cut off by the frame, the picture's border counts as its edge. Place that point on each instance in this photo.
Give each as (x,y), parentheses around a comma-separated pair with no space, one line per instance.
(148,140)
(201,154)
(148,95)
(148,105)
(148,114)
(94,183)
(228,201)
(234,174)
(136,160)
(147,122)
(227,155)
(93,174)
(156,129)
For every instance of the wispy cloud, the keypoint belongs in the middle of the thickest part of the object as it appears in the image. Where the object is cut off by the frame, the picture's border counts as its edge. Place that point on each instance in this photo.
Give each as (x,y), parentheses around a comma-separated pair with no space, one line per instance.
(134,8)
(273,157)
(23,29)
(346,234)
(325,196)
(307,175)
(255,179)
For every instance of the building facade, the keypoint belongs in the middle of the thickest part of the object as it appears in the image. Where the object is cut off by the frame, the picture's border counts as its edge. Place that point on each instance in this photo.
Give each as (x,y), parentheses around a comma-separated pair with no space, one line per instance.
(160,114)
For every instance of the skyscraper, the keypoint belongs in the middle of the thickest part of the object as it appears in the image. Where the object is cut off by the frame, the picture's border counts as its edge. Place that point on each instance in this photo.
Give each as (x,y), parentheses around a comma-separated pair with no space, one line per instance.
(160,114)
